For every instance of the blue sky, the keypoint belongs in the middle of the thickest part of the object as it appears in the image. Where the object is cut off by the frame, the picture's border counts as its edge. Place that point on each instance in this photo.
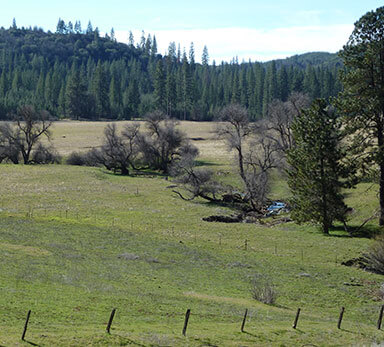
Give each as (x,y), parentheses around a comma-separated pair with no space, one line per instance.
(256,30)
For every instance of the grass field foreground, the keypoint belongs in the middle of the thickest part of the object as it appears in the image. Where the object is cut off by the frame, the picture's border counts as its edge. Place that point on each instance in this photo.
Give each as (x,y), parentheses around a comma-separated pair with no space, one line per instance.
(76,242)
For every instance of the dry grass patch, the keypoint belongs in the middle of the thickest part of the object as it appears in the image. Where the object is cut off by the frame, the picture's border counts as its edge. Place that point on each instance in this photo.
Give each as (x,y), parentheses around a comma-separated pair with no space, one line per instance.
(27,250)
(79,136)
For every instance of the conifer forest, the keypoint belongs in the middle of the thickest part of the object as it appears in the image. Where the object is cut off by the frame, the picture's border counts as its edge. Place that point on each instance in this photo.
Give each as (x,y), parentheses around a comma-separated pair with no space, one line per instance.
(81,74)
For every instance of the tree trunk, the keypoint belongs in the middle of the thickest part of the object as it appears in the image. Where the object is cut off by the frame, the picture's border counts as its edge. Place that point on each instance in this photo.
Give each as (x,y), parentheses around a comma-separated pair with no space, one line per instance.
(124,171)
(380,143)
(324,201)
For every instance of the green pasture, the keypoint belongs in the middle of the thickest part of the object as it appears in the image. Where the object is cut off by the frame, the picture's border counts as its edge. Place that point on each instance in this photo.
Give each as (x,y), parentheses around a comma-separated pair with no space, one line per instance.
(76,242)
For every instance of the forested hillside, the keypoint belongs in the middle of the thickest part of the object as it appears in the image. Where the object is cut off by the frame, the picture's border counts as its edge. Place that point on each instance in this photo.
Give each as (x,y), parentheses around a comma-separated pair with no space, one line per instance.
(79,74)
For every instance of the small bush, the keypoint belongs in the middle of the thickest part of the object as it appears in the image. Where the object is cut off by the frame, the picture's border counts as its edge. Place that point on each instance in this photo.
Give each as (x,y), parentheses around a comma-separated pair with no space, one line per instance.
(374,258)
(263,290)
(90,158)
(76,158)
(45,155)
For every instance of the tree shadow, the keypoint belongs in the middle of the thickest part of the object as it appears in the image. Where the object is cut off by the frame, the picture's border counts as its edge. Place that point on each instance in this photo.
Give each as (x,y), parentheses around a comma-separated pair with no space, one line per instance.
(346,330)
(250,334)
(206,163)
(367,232)
(125,341)
(205,342)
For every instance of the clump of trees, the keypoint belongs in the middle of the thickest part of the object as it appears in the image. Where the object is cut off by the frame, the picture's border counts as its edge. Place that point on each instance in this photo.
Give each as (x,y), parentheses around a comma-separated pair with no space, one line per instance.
(159,146)
(20,140)
(255,157)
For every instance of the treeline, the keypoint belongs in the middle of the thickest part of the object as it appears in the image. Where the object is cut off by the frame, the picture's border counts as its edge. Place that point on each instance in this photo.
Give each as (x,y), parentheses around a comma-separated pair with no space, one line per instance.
(78,74)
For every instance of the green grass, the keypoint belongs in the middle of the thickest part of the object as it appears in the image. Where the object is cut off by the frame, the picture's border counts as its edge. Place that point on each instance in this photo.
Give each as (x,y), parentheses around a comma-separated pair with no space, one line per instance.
(77,242)
(64,233)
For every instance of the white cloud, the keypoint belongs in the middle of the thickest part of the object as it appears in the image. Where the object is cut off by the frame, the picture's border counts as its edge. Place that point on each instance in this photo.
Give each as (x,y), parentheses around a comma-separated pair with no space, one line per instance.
(255,44)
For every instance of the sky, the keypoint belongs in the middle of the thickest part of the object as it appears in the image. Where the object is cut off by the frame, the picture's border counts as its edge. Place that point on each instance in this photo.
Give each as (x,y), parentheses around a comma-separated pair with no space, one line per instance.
(247,29)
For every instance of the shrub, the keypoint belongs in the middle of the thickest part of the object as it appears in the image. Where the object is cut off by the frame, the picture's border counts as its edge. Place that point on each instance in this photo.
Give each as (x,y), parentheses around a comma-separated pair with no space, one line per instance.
(263,290)
(90,158)
(76,158)
(374,257)
(45,155)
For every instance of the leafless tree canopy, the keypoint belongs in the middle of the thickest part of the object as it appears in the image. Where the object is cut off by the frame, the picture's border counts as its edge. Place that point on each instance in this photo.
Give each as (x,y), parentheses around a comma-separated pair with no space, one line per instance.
(255,154)
(158,147)
(119,152)
(197,182)
(23,135)
(163,143)
(277,125)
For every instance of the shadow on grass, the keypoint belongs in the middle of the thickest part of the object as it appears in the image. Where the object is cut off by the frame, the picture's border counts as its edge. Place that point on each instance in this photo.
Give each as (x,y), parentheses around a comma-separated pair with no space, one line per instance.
(205,343)
(31,343)
(368,231)
(133,173)
(250,334)
(206,163)
(125,341)
(346,331)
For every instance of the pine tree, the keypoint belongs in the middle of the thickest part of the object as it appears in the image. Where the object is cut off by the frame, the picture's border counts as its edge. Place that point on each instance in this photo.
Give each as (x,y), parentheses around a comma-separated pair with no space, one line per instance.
(154,47)
(131,100)
(89,28)
(205,57)
(362,100)
(283,85)
(76,95)
(115,97)
(100,92)
(170,91)
(316,172)
(159,86)
(186,86)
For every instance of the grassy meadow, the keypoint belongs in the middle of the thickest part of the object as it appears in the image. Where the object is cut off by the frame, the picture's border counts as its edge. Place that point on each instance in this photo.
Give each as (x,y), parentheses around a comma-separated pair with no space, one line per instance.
(76,242)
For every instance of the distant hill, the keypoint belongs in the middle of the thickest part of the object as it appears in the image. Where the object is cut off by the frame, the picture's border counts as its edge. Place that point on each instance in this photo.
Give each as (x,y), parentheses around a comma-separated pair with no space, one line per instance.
(315,59)
(76,73)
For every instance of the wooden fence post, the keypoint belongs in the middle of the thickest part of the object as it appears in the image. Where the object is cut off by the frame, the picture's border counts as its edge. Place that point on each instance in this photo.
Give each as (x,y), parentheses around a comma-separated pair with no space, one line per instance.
(380,317)
(26,325)
(340,318)
(244,319)
(110,321)
(296,318)
(186,321)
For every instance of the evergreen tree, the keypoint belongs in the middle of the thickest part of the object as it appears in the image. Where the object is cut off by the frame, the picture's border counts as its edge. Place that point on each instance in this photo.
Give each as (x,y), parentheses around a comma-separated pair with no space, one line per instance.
(205,57)
(362,100)
(192,56)
(131,40)
(170,91)
(100,92)
(316,171)
(154,47)
(283,85)
(76,95)
(159,86)
(186,86)
(60,28)
(115,97)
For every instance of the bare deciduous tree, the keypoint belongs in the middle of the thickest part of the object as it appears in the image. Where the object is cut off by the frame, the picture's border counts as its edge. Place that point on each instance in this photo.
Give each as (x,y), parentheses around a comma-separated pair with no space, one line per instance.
(254,155)
(24,134)
(163,144)
(198,182)
(118,152)
(277,125)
